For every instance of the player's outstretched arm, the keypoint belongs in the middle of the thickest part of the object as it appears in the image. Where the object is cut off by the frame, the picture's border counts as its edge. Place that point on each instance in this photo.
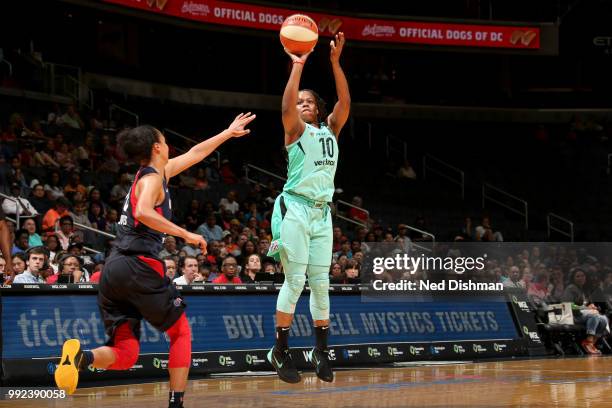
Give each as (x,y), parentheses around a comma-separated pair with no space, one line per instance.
(292,123)
(148,190)
(200,151)
(342,108)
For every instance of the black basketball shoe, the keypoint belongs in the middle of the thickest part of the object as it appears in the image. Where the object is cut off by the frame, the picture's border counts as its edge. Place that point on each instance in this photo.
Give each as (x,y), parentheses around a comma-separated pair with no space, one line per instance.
(320,361)
(283,364)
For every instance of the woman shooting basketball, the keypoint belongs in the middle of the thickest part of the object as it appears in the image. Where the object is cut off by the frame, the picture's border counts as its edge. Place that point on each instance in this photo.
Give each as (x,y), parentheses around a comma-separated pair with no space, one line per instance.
(301,222)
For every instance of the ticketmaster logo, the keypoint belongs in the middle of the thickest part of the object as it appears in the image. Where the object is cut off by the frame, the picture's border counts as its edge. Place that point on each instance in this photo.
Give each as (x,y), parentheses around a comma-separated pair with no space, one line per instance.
(53,332)
(37,331)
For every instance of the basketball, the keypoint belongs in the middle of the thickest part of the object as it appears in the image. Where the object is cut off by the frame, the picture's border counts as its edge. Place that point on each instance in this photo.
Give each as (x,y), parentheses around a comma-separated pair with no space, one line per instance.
(299,34)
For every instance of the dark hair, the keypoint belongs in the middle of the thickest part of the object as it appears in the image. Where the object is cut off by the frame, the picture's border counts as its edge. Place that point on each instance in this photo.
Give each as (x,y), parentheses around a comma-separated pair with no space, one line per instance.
(50,178)
(90,214)
(19,255)
(66,257)
(20,232)
(575,271)
(245,263)
(39,250)
(321,106)
(234,258)
(137,143)
(59,254)
(66,218)
(186,258)
(63,202)
(169,258)
(91,192)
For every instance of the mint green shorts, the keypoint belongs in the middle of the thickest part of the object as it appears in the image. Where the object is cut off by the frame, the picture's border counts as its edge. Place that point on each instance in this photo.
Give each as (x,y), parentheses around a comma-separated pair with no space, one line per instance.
(304,234)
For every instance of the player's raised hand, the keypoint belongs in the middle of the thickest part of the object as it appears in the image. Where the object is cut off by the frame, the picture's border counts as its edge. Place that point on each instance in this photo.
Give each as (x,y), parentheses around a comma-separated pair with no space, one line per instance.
(237,127)
(335,47)
(196,239)
(300,59)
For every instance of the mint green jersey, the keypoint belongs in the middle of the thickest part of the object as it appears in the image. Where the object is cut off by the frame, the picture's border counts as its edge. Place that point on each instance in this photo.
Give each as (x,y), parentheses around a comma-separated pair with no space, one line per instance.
(312,164)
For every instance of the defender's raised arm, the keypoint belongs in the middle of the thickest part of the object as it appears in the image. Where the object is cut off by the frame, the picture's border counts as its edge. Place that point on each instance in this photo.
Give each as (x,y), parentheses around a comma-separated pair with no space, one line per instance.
(202,150)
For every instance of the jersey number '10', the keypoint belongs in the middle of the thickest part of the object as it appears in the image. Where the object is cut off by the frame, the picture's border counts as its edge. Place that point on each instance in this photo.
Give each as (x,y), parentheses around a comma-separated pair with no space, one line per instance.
(328,146)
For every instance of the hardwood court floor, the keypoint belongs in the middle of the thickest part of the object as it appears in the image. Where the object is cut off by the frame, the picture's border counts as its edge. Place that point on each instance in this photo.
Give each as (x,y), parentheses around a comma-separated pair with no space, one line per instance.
(584,382)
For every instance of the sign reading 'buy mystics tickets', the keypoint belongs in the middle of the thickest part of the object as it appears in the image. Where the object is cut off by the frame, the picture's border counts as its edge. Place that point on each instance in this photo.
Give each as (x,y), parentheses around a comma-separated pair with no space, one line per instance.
(363,29)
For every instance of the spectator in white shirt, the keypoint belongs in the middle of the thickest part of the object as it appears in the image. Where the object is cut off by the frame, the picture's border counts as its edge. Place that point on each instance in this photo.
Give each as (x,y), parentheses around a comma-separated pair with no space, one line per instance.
(72,118)
(189,270)
(486,233)
(18,204)
(514,280)
(230,204)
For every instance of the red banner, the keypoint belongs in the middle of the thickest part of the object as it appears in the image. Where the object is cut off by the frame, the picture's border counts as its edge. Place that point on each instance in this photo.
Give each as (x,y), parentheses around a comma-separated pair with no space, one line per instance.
(392,31)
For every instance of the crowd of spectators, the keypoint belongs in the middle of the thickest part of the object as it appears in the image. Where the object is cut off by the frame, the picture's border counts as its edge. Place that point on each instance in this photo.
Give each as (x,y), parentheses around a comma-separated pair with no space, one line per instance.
(64,178)
(66,170)
(562,274)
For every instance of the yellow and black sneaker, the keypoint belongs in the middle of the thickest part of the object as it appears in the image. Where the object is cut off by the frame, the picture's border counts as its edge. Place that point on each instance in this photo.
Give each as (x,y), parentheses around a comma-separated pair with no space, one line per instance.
(67,373)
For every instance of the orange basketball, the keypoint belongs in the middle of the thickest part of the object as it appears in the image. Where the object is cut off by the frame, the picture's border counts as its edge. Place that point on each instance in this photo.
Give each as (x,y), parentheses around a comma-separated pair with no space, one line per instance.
(299,34)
